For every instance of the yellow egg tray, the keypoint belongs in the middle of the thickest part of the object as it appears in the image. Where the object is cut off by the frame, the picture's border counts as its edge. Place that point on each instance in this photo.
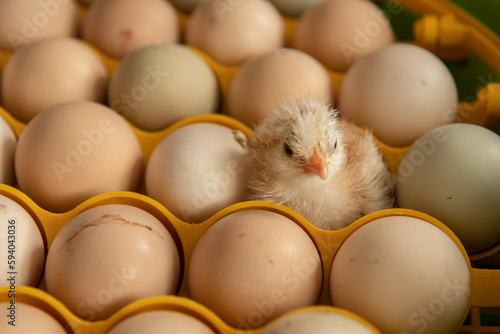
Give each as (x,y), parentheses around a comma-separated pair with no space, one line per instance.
(443,28)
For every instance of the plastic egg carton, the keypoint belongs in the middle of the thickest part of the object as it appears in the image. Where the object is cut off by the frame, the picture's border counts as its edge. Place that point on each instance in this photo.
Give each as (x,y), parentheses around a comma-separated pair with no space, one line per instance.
(438,26)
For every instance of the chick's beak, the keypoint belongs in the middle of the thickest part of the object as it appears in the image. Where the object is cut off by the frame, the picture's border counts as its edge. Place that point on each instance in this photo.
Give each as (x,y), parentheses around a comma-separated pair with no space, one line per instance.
(317,163)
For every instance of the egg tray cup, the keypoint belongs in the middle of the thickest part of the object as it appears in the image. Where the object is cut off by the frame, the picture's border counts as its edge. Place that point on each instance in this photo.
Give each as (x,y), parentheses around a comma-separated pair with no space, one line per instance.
(441,27)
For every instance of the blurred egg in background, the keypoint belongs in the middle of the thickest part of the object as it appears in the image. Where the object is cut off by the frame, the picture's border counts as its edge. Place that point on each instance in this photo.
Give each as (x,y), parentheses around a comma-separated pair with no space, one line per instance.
(160,84)
(266,81)
(339,32)
(234,32)
(118,27)
(400,91)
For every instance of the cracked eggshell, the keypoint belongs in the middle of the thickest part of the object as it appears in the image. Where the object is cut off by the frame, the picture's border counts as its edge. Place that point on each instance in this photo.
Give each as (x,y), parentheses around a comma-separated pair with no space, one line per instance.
(197,170)
(109,256)
(403,275)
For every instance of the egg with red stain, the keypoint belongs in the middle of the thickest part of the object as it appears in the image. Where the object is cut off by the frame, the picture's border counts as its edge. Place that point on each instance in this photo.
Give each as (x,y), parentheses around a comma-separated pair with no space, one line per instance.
(118,27)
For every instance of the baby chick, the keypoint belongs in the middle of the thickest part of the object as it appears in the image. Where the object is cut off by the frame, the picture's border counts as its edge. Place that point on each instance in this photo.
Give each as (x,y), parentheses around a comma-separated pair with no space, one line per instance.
(306,158)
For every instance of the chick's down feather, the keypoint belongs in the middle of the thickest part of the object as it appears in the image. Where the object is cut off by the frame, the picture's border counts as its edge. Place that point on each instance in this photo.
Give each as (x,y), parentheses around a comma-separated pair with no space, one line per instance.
(305,157)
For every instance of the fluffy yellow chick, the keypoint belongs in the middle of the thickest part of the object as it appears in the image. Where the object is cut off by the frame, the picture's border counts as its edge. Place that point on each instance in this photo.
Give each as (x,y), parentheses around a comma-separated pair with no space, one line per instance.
(305,157)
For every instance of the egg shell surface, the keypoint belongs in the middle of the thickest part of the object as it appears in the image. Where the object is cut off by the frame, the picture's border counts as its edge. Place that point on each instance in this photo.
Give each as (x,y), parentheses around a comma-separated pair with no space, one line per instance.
(400,91)
(197,170)
(266,81)
(161,84)
(23,246)
(161,322)
(398,272)
(71,152)
(252,266)
(30,319)
(110,256)
(453,174)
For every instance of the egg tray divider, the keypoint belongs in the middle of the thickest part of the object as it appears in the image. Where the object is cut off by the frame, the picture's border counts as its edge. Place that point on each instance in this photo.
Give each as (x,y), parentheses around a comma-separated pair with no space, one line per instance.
(443,28)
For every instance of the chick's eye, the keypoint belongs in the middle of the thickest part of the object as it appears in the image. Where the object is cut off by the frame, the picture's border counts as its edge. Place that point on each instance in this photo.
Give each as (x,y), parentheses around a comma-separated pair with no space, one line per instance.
(335,145)
(288,150)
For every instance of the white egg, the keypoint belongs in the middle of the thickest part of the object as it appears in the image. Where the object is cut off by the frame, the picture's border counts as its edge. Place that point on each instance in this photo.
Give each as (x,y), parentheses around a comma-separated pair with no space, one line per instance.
(23,249)
(197,170)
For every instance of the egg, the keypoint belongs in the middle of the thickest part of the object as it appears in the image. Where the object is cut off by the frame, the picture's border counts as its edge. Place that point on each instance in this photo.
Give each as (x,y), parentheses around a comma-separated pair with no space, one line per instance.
(51,71)
(70,153)
(400,91)
(160,84)
(453,174)
(160,322)
(294,8)
(27,318)
(8,142)
(333,321)
(252,266)
(109,256)
(197,170)
(27,21)
(231,32)
(264,82)
(22,244)
(339,32)
(118,27)
(403,275)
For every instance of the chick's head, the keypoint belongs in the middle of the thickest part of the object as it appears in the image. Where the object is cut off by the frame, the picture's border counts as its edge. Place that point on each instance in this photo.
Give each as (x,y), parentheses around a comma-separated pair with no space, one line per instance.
(301,140)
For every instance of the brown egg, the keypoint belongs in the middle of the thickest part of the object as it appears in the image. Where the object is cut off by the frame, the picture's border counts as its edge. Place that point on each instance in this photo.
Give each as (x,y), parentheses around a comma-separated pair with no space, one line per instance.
(118,27)
(161,322)
(264,82)
(253,266)
(339,32)
(236,31)
(51,71)
(76,150)
(30,20)
(109,256)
